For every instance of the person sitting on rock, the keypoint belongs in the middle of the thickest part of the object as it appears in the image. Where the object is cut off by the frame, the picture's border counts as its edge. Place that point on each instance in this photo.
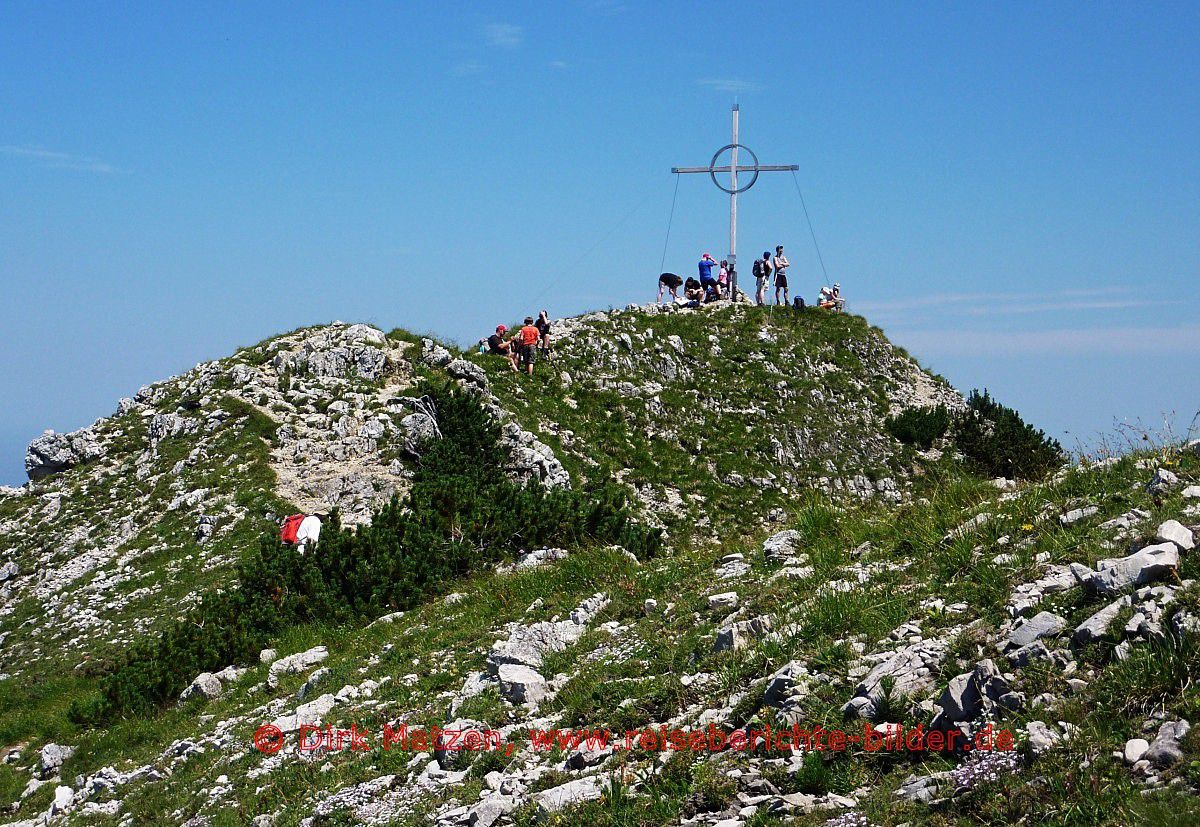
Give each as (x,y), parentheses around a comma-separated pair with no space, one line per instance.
(693,292)
(498,347)
(831,299)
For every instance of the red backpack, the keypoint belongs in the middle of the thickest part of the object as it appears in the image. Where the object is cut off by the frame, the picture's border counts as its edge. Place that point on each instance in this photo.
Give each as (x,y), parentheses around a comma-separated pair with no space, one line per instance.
(291,526)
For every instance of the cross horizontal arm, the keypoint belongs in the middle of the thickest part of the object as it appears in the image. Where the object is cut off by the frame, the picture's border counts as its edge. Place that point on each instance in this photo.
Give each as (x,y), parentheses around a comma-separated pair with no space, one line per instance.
(758,168)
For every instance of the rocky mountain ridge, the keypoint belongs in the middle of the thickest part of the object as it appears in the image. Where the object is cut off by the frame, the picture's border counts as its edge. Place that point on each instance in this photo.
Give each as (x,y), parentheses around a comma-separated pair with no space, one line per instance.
(821,572)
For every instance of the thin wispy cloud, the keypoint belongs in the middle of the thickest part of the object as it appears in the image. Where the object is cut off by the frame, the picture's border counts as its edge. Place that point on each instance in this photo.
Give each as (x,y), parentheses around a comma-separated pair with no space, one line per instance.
(504,35)
(1102,320)
(1056,307)
(559,64)
(608,7)
(59,160)
(984,303)
(1080,342)
(732,85)
(467,67)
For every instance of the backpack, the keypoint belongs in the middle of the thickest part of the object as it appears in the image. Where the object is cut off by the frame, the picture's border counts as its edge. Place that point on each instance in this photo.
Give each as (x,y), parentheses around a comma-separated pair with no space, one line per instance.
(290,528)
(757,269)
(798,303)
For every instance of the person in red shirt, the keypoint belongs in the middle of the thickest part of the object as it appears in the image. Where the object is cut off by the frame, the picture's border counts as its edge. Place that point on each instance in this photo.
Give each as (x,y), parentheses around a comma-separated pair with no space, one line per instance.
(526,340)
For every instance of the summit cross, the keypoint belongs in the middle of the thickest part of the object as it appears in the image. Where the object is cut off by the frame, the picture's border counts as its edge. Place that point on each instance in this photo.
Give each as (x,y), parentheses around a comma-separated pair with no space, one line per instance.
(733,168)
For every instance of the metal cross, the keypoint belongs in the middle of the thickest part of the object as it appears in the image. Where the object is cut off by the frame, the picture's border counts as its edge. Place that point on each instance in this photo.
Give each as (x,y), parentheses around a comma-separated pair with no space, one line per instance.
(733,168)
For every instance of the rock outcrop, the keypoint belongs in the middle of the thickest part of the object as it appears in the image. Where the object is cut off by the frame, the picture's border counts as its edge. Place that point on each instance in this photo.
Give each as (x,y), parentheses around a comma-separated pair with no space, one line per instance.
(51,453)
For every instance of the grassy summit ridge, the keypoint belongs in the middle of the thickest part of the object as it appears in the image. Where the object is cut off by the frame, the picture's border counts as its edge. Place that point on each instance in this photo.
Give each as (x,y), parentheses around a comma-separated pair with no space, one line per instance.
(735,409)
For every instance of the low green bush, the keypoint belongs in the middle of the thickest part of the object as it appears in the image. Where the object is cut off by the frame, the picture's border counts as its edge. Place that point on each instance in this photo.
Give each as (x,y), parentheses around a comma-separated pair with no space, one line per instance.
(999,443)
(994,438)
(919,426)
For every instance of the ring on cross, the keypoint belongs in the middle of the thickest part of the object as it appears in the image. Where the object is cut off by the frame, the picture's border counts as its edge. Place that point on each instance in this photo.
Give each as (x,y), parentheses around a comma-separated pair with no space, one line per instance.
(713,169)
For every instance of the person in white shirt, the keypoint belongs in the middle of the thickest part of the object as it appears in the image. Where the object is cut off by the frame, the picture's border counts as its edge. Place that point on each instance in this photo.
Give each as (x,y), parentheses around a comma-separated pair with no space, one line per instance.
(780,263)
(309,531)
(831,299)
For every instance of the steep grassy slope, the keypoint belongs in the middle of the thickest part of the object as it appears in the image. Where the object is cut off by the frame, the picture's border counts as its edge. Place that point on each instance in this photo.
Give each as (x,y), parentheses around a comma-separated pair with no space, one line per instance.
(808,550)
(732,411)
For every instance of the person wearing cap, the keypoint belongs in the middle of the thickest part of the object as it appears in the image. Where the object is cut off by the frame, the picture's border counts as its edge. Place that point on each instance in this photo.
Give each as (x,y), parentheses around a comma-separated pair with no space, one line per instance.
(831,298)
(526,340)
(499,347)
(707,281)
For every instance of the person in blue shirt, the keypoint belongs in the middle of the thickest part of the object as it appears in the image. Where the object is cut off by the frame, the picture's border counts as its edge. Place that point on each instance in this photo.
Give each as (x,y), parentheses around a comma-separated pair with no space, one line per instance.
(707,281)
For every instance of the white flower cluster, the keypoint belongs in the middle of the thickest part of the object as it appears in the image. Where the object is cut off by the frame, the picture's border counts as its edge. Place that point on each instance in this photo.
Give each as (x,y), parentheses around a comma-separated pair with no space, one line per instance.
(983,767)
(850,819)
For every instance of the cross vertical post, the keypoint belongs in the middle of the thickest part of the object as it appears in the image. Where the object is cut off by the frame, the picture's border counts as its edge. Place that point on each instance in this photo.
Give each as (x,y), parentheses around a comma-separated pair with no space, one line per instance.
(735,186)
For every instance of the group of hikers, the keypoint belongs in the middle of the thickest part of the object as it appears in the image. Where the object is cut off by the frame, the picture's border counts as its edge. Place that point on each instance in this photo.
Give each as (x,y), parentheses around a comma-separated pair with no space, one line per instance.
(766,270)
(708,288)
(522,348)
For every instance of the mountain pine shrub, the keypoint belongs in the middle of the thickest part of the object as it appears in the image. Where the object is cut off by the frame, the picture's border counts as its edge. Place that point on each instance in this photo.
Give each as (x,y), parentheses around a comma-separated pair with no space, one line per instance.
(919,426)
(461,514)
(999,443)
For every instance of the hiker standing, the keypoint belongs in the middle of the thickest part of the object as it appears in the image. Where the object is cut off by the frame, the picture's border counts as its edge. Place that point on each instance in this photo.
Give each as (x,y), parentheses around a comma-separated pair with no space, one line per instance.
(781,264)
(526,340)
(707,282)
(723,279)
(762,273)
(543,326)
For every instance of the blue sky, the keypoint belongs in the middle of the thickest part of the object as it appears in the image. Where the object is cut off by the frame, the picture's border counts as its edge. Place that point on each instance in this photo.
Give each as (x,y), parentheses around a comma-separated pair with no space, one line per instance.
(1010,190)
